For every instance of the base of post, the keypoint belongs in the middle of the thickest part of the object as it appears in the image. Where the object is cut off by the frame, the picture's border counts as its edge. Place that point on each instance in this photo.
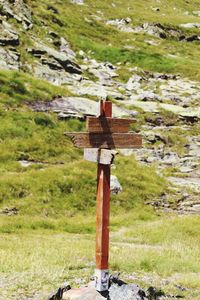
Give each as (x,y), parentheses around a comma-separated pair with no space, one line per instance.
(101,280)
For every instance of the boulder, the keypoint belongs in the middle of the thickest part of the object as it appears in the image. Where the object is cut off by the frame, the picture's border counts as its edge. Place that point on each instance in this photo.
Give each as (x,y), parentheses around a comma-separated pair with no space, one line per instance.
(115,186)
(86,293)
(126,292)
(190,25)
(76,106)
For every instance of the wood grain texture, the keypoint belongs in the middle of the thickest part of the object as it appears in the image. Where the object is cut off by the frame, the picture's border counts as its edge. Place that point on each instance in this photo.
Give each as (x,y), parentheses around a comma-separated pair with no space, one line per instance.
(108,125)
(106,140)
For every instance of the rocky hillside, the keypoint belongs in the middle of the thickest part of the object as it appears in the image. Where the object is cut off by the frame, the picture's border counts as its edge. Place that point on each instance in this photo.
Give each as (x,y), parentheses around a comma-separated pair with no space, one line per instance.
(63,56)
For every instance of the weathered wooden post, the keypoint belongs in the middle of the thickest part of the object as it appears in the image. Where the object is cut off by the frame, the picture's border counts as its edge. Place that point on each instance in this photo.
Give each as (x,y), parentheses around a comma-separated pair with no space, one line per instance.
(104,134)
(103,212)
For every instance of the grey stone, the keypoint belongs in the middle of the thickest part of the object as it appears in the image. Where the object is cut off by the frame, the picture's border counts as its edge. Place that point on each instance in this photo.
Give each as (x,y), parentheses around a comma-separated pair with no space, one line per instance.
(133,82)
(105,72)
(190,25)
(86,87)
(158,30)
(193,183)
(86,293)
(9,59)
(115,186)
(18,10)
(8,36)
(192,38)
(79,2)
(61,57)
(9,211)
(196,12)
(126,292)
(76,106)
(121,24)
(65,47)
(57,77)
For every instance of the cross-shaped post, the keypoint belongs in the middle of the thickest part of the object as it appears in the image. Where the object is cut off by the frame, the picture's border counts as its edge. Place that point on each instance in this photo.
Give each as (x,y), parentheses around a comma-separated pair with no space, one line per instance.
(104,134)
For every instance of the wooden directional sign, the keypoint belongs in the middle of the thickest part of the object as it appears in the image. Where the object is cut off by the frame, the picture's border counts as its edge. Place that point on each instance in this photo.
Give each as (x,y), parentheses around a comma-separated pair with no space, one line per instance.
(108,125)
(106,140)
(104,134)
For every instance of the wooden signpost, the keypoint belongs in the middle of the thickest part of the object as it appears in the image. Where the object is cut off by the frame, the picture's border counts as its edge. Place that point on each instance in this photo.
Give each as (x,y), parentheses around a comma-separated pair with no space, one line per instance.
(104,134)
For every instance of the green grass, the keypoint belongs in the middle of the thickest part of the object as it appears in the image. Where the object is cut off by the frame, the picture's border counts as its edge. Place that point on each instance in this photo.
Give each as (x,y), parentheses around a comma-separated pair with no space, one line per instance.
(53,232)
(58,181)
(18,87)
(105,43)
(161,251)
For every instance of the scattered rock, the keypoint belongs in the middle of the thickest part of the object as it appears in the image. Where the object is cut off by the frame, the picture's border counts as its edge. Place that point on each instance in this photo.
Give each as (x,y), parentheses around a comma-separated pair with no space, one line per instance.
(58,295)
(156,9)
(154,293)
(9,211)
(196,12)
(126,292)
(79,2)
(121,24)
(158,30)
(192,38)
(115,186)
(190,25)
(53,9)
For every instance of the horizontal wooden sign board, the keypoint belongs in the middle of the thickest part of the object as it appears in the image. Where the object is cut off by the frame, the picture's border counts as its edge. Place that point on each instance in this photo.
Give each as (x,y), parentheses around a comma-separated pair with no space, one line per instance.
(101,156)
(106,140)
(108,125)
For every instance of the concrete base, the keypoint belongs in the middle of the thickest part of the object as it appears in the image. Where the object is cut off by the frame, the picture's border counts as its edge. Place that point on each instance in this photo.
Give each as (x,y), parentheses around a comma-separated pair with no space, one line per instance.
(101,280)
(86,293)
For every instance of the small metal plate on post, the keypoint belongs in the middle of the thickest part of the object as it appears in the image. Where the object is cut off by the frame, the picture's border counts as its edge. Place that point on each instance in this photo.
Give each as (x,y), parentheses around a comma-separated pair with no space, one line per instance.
(101,280)
(101,156)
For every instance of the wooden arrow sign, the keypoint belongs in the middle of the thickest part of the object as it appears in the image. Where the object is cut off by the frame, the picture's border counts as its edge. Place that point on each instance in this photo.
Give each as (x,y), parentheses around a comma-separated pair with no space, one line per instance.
(106,140)
(108,125)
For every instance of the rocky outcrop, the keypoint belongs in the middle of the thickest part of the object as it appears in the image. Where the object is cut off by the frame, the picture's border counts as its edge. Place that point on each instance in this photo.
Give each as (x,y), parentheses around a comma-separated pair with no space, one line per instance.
(156,29)
(121,24)
(190,25)
(76,107)
(9,59)
(8,36)
(55,59)
(18,10)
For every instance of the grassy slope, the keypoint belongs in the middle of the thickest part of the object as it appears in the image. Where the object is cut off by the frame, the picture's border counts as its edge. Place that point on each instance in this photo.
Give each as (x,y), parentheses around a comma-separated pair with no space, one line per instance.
(107,44)
(49,196)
